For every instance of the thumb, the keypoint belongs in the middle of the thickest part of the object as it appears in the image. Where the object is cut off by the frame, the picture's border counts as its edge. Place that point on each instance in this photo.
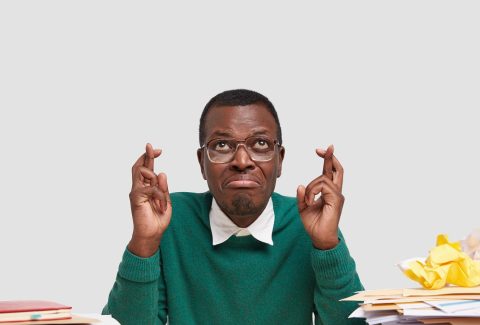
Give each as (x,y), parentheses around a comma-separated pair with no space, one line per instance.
(301,198)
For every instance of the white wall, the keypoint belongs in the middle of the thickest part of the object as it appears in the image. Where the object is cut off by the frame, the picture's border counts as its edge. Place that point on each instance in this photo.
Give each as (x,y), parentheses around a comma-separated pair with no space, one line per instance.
(394,85)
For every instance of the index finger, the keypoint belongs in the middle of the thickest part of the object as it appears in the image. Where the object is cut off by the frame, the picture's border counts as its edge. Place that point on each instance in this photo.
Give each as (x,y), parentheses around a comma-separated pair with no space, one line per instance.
(338,173)
(165,200)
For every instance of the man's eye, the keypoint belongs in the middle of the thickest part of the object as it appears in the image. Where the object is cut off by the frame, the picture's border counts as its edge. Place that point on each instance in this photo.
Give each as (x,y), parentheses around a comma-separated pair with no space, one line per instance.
(261,144)
(221,146)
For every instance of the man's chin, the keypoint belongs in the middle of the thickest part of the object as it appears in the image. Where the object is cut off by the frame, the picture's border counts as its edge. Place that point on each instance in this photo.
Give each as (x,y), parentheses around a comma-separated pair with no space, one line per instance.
(242,203)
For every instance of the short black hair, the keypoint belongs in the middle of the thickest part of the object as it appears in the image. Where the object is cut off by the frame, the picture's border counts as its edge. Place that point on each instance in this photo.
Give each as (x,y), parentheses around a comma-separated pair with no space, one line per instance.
(238,97)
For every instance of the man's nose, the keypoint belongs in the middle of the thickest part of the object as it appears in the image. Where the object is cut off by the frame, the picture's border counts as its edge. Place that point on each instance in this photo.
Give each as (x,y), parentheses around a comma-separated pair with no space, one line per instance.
(241,159)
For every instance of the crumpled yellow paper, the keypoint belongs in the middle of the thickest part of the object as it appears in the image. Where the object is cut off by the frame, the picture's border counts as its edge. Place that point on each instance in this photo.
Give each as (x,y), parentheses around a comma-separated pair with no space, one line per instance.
(446,264)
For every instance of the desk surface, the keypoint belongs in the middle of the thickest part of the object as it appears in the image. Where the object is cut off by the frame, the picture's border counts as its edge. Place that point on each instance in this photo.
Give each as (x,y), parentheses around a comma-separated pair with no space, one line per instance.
(104,319)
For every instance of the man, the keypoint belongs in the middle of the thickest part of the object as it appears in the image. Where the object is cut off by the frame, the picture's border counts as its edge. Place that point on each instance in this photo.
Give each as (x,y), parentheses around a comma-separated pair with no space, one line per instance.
(239,253)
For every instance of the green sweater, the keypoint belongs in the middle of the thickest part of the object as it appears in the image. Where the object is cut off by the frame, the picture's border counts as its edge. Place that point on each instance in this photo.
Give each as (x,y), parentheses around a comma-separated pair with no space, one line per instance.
(241,281)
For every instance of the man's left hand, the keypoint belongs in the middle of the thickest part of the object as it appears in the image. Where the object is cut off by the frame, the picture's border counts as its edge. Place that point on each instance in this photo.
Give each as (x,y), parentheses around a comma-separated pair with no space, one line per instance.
(320,216)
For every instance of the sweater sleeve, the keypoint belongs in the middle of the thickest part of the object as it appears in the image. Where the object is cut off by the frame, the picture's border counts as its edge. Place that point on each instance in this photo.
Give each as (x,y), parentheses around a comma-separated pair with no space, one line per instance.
(335,278)
(138,295)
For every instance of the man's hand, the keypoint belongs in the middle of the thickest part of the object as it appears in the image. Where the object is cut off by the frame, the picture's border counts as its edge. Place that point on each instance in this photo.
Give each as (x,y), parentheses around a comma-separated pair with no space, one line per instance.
(150,205)
(320,216)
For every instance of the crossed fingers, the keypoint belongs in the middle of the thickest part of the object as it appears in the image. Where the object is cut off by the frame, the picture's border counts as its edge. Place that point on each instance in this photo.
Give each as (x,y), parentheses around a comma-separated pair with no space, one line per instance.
(332,168)
(329,184)
(148,184)
(142,170)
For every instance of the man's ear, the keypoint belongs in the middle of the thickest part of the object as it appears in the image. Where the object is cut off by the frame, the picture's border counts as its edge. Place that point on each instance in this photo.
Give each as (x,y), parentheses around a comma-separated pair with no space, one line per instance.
(281,155)
(201,159)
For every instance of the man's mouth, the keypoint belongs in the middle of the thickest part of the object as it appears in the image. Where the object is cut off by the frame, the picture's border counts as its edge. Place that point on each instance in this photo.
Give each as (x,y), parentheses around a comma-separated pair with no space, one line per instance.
(242,181)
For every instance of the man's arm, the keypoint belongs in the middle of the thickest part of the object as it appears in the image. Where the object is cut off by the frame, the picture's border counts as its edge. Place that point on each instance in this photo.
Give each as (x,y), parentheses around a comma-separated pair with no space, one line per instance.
(138,295)
(334,268)
(335,278)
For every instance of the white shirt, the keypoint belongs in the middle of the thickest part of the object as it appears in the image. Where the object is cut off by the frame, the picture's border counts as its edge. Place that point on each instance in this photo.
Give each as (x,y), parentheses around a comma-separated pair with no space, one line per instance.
(223,228)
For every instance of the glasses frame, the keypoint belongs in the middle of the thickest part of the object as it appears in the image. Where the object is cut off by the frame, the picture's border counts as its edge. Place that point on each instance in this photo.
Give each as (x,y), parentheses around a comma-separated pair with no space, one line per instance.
(243,143)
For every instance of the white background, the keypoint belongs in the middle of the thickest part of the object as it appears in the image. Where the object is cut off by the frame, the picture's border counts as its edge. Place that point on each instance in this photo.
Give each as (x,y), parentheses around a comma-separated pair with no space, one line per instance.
(394,85)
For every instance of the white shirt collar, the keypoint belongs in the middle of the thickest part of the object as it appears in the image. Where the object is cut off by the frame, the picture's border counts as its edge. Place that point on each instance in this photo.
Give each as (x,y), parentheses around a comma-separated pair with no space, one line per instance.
(223,228)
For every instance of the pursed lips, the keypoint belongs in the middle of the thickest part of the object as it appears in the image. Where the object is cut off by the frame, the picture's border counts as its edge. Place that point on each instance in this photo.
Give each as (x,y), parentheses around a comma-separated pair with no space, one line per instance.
(242,181)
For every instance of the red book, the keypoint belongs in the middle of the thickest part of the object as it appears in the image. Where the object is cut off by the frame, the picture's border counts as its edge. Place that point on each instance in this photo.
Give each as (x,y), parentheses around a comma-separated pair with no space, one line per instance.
(26,310)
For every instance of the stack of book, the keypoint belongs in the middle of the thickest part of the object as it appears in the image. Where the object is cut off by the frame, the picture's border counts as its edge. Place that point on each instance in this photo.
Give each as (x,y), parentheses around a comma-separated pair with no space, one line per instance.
(449,305)
(28,310)
(23,312)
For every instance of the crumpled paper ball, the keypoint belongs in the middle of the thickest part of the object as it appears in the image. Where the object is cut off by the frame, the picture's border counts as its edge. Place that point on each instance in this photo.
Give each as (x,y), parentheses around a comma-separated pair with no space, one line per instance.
(446,264)
(471,245)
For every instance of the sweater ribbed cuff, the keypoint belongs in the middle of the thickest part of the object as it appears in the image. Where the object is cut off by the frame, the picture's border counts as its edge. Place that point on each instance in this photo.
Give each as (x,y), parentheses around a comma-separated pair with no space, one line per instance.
(139,269)
(332,263)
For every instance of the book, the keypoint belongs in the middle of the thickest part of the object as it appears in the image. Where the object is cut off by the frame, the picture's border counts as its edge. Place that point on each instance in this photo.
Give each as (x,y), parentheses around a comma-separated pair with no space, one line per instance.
(28,310)
(74,320)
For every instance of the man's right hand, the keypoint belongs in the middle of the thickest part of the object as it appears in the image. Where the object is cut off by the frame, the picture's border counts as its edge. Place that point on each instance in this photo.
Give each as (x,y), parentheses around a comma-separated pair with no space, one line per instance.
(150,204)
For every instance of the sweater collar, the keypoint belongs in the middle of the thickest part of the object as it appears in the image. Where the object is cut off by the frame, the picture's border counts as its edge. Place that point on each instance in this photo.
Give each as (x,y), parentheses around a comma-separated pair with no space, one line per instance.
(223,228)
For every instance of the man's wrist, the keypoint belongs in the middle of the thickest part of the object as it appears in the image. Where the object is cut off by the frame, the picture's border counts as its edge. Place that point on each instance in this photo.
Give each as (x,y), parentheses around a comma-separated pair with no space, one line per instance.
(326,244)
(143,247)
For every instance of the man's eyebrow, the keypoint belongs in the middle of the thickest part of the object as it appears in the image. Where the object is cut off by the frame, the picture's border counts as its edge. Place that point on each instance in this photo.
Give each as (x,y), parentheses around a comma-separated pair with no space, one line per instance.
(222,134)
(229,134)
(259,131)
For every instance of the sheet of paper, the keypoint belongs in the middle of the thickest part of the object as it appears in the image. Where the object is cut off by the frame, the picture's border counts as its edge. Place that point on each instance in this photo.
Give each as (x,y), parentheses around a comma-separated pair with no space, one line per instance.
(384,292)
(376,317)
(375,301)
(382,319)
(439,313)
(356,297)
(411,305)
(403,323)
(443,291)
(370,307)
(402,300)
(452,321)
(358,313)
(453,306)
(394,301)
(416,305)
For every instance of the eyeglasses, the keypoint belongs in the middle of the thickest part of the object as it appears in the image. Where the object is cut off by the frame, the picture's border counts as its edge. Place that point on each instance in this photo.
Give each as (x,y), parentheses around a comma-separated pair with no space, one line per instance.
(259,148)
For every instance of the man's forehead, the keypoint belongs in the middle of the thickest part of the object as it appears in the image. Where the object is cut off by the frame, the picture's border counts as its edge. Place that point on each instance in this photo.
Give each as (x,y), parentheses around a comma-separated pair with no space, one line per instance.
(232,120)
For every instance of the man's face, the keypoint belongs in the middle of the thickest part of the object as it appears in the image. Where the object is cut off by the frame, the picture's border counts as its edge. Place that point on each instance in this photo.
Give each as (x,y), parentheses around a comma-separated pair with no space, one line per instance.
(241,187)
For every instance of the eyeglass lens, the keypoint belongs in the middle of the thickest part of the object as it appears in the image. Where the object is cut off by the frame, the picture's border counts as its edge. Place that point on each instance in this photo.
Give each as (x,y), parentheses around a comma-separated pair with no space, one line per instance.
(223,150)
